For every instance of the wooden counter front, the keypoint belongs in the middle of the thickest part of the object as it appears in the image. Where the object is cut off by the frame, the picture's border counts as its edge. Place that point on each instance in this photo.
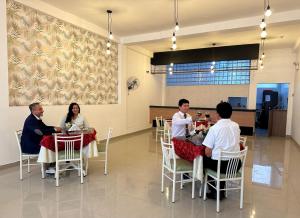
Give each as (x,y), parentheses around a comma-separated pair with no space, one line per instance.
(245,118)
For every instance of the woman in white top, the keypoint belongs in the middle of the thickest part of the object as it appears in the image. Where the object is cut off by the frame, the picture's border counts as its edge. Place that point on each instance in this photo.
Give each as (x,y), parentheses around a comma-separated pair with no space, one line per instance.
(74,118)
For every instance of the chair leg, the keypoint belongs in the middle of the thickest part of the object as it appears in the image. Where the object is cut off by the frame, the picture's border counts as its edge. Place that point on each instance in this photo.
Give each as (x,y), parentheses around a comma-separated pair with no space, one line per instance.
(193,181)
(162,179)
(218,196)
(242,194)
(86,166)
(173,188)
(43,170)
(21,168)
(81,172)
(205,187)
(226,192)
(181,181)
(57,174)
(28,165)
(105,164)
(156,134)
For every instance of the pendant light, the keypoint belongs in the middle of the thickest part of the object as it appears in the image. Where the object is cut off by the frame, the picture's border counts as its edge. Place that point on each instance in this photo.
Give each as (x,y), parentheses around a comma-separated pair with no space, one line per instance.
(176,28)
(268,11)
(263,24)
(109,31)
(263,33)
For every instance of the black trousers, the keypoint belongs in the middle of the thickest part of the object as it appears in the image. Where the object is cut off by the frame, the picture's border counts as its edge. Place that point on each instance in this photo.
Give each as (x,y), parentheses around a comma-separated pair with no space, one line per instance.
(212,164)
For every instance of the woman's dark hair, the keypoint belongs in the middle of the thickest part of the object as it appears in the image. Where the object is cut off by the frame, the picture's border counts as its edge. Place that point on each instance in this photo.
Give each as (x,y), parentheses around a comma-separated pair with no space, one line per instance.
(224,109)
(70,112)
(183,101)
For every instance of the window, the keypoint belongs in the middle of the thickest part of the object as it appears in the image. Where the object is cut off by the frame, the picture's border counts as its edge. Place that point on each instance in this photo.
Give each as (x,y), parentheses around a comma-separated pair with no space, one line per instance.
(226,73)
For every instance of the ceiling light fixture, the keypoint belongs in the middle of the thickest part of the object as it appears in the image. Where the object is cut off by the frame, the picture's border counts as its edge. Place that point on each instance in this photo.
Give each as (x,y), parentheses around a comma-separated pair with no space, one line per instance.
(264,33)
(174,46)
(110,35)
(263,23)
(268,11)
(173,37)
(176,15)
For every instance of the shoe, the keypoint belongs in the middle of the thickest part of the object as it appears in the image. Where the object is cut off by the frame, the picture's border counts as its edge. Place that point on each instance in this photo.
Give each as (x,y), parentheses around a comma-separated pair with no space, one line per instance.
(50,170)
(213,195)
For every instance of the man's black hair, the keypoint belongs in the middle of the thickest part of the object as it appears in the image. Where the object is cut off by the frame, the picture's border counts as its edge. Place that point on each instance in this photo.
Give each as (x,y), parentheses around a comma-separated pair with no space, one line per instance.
(224,109)
(182,101)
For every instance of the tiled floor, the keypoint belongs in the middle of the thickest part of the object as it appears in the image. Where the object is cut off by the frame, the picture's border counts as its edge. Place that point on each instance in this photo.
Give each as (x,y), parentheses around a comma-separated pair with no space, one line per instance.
(132,188)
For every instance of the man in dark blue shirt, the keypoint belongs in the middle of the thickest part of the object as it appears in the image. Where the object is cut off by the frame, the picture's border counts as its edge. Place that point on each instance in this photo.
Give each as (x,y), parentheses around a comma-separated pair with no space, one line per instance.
(34,129)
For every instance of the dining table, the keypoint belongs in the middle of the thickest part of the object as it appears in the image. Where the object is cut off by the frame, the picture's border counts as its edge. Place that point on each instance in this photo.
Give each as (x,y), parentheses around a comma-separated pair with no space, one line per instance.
(192,152)
(47,151)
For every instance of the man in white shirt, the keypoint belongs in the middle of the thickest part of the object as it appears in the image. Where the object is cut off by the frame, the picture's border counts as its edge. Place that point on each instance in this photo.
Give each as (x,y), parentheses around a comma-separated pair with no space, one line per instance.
(182,123)
(224,135)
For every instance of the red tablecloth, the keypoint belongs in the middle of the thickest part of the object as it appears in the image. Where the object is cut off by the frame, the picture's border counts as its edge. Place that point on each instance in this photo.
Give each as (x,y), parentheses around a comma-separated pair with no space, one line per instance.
(187,150)
(198,123)
(48,141)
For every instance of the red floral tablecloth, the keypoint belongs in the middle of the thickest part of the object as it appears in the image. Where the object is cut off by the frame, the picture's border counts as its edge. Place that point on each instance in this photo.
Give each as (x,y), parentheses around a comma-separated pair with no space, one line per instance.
(48,141)
(187,150)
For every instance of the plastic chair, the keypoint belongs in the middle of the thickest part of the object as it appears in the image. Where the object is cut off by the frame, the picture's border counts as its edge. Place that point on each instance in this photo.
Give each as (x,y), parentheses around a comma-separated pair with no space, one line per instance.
(103,149)
(68,154)
(167,131)
(22,155)
(231,174)
(173,166)
(159,127)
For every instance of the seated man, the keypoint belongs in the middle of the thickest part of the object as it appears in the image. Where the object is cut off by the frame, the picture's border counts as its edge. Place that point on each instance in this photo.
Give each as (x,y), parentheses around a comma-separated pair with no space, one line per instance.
(182,123)
(34,129)
(225,135)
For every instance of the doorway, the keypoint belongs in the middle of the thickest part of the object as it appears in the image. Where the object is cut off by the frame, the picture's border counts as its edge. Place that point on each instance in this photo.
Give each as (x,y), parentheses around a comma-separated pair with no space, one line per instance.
(271,108)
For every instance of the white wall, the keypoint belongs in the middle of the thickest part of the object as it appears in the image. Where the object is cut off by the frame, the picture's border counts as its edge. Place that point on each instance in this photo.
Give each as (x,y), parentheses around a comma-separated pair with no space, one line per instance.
(204,96)
(296,105)
(118,116)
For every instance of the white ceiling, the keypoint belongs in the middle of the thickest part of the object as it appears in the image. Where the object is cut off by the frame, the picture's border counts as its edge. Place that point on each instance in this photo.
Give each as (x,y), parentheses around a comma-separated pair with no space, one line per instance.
(279,35)
(134,17)
(131,17)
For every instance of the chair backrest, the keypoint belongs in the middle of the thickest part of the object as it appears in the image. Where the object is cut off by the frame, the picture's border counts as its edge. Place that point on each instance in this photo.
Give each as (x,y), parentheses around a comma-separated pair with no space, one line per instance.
(243,140)
(18,135)
(159,121)
(109,134)
(68,142)
(168,153)
(233,162)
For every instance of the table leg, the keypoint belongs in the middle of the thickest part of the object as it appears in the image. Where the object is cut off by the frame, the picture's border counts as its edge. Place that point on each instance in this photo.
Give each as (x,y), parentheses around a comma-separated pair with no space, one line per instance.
(193,181)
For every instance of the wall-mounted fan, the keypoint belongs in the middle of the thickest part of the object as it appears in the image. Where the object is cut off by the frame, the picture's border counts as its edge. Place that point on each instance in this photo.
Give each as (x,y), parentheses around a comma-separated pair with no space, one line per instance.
(132,83)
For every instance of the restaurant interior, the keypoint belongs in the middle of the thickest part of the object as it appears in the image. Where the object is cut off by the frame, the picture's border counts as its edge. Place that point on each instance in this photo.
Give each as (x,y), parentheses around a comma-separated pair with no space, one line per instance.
(124,65)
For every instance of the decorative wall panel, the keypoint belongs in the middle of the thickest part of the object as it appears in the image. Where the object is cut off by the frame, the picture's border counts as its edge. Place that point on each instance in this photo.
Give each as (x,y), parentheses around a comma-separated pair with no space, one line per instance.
(55,63)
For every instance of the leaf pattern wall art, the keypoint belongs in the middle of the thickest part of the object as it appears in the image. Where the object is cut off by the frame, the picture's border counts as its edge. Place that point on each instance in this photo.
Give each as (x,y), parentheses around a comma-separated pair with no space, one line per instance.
(54,62)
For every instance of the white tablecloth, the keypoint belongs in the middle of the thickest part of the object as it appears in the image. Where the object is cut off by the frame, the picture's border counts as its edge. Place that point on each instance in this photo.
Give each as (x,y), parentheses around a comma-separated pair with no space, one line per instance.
(48,156)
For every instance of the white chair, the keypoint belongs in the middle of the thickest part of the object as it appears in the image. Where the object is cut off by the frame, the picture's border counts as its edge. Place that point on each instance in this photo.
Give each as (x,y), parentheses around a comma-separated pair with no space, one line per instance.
(103,149)
(27,157)
(159,127)
(167,131)
(231,175)
(173,166)
(243,141)
(68,154)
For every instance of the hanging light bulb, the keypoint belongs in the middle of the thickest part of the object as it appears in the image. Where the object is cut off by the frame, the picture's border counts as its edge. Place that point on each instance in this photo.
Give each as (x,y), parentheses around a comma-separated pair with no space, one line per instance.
(262,66)
(173,37)
(212,67)
(212,71)
(268,12)
(174,46)
(108,51)
(263,34)
(260,61)
(176,27)
(170,68)
(170,72)
(213,63)
(263,24)
(108,44)
(263,55)
(171,64)
(111,35)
